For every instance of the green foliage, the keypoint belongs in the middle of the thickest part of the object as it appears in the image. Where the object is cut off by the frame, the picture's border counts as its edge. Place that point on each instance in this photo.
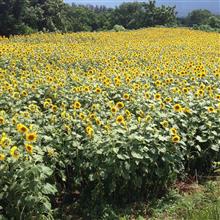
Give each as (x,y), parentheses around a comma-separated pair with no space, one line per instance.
(202,20)
(201,203)
(206,27)
(28,16)
(198,17)
(137,15)
(118,28)
(25,189)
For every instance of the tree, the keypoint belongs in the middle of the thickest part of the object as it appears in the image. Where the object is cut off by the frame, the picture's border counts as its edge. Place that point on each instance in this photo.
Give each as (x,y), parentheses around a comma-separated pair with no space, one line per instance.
(198,17)
(214,22)
(11,16)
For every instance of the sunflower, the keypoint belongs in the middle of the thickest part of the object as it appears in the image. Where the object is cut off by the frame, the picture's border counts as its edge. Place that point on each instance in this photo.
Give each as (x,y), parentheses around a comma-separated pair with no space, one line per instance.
(29,148)
(186,110)
(31,136)
(54,108)
(165,124)
(185,90)
(157,96)
(22,128)
(14,152)
(92,116)
(98,90)
(120,105)
(211,109)
(148,118)
(126,96)
(128,113)
(177,108)
(82,116)
(113,109)
(176,139)
(168,100)
(201,92)
(5,141)
(24,93)
(98,121)
(2,120)
(173,131)
(2,157)
(76,105)
(147,95)
(120,119)
(47,104)
(89,131)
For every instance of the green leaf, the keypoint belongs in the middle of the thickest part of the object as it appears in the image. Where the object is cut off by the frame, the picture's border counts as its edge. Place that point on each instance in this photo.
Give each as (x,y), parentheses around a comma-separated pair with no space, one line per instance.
(121,157)
(46,170)
(215,147)
(49,189)
(198,148)
(115,150)
(136,155)
(198,138)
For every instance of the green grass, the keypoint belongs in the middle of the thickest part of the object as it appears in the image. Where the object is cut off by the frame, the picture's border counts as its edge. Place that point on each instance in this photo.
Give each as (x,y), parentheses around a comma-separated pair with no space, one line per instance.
(203,203)
(200,202)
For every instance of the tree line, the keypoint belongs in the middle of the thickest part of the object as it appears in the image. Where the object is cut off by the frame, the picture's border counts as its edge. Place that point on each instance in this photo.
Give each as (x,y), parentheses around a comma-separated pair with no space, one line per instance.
(29,16)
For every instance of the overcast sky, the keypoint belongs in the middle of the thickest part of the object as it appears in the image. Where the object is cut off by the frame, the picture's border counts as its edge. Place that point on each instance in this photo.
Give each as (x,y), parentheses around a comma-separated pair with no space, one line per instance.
(183,6)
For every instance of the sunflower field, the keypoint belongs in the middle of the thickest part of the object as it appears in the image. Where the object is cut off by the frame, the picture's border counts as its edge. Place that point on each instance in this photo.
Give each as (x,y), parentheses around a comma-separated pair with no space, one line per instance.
(104,118)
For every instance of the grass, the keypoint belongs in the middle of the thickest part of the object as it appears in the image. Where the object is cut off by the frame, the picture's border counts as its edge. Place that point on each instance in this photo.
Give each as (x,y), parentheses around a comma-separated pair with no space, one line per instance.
(202,203)
(198,202)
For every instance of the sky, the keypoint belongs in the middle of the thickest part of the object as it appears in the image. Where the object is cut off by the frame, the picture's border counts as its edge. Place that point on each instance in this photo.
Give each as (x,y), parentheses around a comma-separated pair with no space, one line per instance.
(183,6)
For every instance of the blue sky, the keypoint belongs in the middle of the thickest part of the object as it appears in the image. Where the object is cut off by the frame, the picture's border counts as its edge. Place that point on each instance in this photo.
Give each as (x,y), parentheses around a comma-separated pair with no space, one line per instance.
(183,6)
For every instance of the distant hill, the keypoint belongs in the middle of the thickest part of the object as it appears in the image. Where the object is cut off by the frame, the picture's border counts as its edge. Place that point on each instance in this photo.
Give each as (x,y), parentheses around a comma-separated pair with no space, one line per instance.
(183,6)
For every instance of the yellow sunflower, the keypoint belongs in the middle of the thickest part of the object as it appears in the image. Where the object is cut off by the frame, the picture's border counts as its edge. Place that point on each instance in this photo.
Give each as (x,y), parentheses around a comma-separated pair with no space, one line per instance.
(177,108)
(120,119)
(14,152)
(22,128)
(2,157)
(76,105)
(29,148)
(211,109)
(176,139)
(2,120)
(120,105)
(31,136)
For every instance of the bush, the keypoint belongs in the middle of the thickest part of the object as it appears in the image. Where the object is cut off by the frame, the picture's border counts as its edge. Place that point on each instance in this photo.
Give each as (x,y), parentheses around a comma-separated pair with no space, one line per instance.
(118,28)
(206,27)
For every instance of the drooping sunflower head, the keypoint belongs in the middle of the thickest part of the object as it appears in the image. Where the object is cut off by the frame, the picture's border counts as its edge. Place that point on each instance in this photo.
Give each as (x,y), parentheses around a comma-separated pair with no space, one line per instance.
(2,120)
(29,148)
(14,152)
(173,131)
(89,131)
(168,99)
